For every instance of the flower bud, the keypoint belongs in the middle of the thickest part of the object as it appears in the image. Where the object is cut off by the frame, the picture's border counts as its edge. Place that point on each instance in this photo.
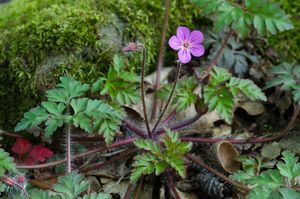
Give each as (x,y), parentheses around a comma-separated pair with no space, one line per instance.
(131,47)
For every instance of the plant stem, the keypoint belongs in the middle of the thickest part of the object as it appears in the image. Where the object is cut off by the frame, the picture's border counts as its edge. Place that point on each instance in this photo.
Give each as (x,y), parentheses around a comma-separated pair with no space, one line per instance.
(169,118)
(128,192)
(160,56)
(170,97)
(68,137)
(248,141)
(51,164)
(134,128)
(143,91)
(139,187)
(202,164)
(120,156)
(96,166)
(183,123)
(171,185)
(219,52)
(10,134)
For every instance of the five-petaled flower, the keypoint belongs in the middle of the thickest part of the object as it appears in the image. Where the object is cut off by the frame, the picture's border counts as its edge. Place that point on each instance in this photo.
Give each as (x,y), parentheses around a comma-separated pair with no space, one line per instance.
(187,43)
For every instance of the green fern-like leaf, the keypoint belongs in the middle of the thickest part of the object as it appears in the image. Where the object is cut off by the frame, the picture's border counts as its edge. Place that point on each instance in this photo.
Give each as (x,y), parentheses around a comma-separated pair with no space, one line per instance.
(219,75)
(221,100)
(71,185)
(287,76)
(109,128)
(219,93)
(271,178)
(158,158)
(32,118)
(247,87)
(290,167)
(52,124)
(120,84)
(96,196)
(296,93)
(66,90)
(6,162)
(268,16)
(208,5)
(83,121)
(148,145)
(96,116)
(143,164)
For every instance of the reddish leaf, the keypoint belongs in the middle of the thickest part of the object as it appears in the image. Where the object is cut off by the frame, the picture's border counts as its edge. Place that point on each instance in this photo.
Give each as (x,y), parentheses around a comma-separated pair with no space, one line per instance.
(21,147)
(29,161)
(40,153)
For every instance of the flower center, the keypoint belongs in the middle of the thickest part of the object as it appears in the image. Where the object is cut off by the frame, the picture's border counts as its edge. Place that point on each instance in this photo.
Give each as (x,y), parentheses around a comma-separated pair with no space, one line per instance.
(186,44)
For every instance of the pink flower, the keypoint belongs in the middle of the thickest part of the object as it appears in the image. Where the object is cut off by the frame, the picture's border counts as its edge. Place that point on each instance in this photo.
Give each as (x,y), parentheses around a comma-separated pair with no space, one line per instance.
(187,43)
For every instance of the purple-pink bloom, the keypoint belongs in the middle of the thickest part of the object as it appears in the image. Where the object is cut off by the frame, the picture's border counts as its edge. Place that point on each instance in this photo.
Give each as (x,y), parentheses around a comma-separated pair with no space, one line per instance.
(187,43)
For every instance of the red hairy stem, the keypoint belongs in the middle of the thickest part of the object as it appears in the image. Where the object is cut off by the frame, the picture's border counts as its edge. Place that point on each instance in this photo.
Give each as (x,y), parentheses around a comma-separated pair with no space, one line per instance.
(85,138)
(128,192)
(172,186)
(134,128)
(169,118)
(183,123)
(51,164)
(250,140)
(202,164)
(120,156)
(139,187)
(169,99)
(143,91)
(219,52)
(68,137)
(160,56)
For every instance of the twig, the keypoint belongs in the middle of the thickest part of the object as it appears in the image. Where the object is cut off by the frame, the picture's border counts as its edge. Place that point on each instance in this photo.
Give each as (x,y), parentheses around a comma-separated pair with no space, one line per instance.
(219,52)
(143,91)
(202,164)
(170,97)
(10,134)
(160,56)
(41,184)
(51,164)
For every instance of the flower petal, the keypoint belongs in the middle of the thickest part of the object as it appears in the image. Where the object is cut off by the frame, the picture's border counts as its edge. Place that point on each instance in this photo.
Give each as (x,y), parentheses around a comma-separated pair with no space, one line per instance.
(196,36)
(197,50)
(175,43)
(183,33)
(184,56)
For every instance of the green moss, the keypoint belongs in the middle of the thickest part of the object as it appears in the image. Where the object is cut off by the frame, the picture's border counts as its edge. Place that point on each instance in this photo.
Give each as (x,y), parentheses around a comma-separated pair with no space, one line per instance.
(42,40)
(287,43)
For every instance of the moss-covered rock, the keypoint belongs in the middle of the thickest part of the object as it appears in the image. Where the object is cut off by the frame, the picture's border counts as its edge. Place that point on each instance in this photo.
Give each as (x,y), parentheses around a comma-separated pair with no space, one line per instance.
(42,40)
